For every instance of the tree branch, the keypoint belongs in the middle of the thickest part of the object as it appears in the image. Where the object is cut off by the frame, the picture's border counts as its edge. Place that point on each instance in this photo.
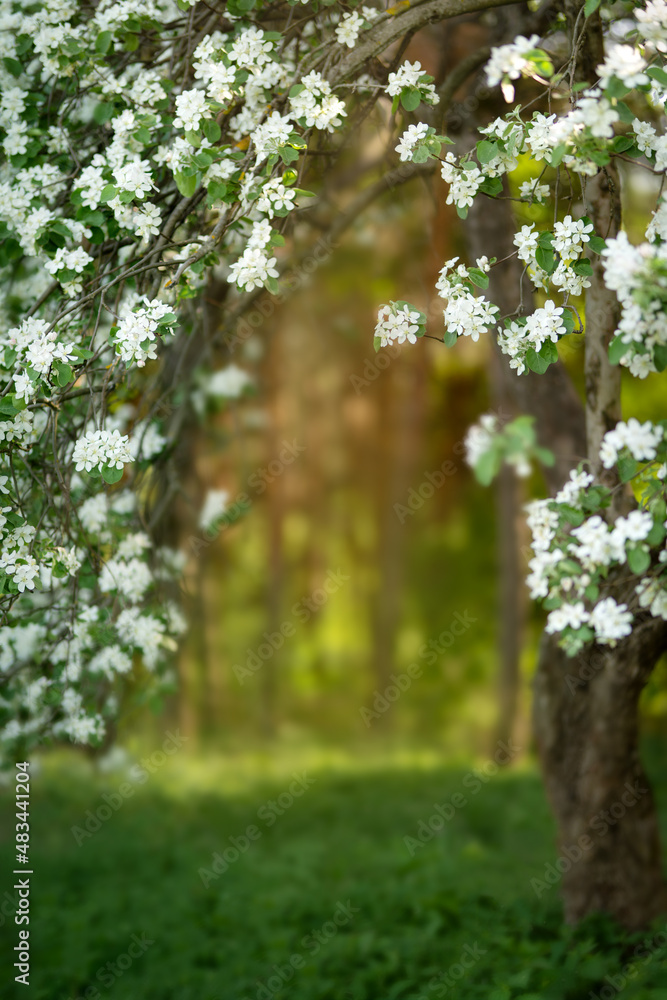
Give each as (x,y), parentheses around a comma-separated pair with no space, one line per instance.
(389,28)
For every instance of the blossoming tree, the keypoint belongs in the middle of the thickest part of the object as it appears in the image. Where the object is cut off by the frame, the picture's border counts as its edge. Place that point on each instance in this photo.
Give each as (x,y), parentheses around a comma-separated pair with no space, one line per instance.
(150,146)
(599,556)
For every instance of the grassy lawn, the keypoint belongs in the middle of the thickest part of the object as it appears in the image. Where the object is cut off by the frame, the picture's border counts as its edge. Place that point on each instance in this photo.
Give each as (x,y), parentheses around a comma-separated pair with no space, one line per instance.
(322,897)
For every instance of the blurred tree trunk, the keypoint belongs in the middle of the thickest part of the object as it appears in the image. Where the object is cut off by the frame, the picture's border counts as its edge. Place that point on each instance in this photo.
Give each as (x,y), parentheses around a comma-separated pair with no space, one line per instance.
(399,450)
(276,554)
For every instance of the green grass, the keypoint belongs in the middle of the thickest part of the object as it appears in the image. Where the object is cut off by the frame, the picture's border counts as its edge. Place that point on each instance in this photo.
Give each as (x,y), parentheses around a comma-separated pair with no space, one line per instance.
(465,893)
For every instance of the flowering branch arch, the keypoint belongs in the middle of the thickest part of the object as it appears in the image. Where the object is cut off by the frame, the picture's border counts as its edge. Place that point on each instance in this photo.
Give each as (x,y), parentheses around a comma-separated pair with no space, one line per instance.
(147,145)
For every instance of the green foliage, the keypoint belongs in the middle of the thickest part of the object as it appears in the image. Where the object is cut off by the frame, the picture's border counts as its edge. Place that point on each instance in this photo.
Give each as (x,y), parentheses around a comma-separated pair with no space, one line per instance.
(343,840)
(515,442)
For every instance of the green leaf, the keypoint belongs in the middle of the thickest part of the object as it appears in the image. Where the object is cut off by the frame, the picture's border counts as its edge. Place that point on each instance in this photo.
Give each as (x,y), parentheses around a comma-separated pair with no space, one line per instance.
(600,156)
(7,409)
(462,211)
(535,362)
(217,190)
(616,89)
(421,155)
(109,192)
(13,66)
(545,240)
(60,227)
(591,6)
(90,217)
(111,475)
(65,373)
(597,244)
(627,467)
(657,532)
(479,278)
(450,338)
(556,157)
(584,632)
(288,154)
(657,73)
(186,185)
(658,508)
(23,44)
(639,559)
(571,514)
(549,352)
(487,466)
(621,143)
(626,115)
(411,98)
(491,186)
(660,357)
(545,456)
(212,131)
(143,135)
(546,259)
(487,151)
(103,42)
(596,498)
(237,8)
(102,113)
(617,350)
(583,267)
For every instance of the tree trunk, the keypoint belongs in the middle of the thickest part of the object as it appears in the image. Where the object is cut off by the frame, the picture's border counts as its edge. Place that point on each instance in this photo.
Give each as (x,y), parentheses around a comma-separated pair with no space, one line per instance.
(586,708)
(586,728)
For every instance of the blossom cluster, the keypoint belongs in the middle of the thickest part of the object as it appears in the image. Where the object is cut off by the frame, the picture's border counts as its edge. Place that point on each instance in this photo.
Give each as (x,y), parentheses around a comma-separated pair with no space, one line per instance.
(465,314)
(638,275)
(530,341)
(578,549)
(521,57)
(398,323)
(112,214)
(411,85)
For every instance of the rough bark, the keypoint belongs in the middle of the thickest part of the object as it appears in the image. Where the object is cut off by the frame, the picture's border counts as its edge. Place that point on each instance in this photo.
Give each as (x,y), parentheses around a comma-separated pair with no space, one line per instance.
(603,380)
(586,729)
